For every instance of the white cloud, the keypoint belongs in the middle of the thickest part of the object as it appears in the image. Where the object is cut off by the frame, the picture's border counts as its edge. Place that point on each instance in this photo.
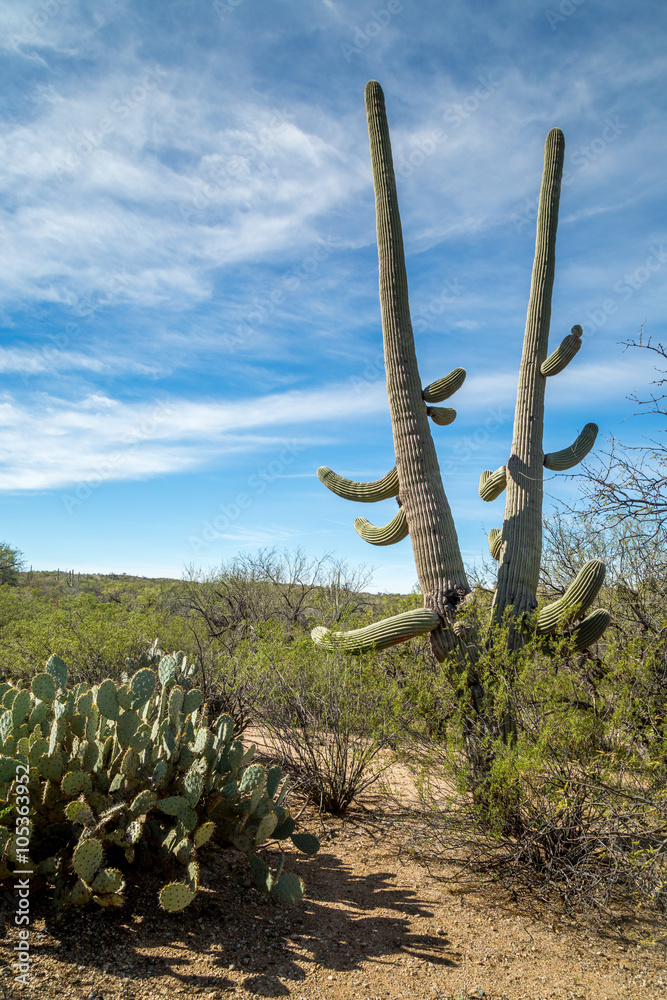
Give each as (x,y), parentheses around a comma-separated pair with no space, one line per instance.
(53,443)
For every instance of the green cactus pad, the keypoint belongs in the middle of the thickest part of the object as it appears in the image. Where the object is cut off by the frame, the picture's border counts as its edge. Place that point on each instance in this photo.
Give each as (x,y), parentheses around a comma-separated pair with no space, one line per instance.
(261,873)
(307,843)
(58,670)
(8,767)
(8,697)
(75,782)
(563,354)
(192,701)
(125,696)
(92,723)
(194,786)
(559,461)
(441,415)
(492,484)
(289,888)
(130,763)
(254,778)
(193,875)
(143,686)
(143,802)
(167,670)
(48,866)
(87,858)
(134,831)
(273,776)
(183,849)
(203,834)
(51,766)
(20,707)
(44,687)
(592,628)
(172,805)
(6,723)
(107,700)
(79,812)
(80,894)
(575,601)
(388,534)
(84,705)
(495,543)
(381,635)
(57,734)
(203,740)
(90,757)
(141,738)
(265,828)
(38,714)
(128,723)
(381,489)
(176,699)
(444,387)
(176,896)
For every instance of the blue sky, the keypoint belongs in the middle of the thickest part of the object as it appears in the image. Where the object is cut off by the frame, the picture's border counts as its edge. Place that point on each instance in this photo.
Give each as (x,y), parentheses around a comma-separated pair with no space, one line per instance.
(188,296)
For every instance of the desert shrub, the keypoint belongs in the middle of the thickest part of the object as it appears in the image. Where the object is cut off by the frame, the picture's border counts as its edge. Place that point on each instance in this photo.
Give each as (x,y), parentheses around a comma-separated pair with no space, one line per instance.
(330,718)
(571,801)
(130,771)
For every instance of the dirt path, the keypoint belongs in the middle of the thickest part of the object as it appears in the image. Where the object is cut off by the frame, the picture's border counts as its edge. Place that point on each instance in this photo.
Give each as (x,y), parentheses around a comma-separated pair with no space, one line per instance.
(374,925)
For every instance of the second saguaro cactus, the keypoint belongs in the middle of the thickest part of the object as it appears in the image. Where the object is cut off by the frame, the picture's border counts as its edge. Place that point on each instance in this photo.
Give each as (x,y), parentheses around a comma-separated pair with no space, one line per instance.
(416,482)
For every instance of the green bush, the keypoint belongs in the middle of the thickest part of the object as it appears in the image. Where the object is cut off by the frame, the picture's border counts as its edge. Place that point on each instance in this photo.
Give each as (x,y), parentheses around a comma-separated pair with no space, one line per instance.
(129,771)
(570,801)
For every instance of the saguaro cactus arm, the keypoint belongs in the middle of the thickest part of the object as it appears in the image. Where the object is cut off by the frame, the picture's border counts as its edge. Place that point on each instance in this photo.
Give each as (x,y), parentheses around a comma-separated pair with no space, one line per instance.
(444,387)
(389,534)
(567,458)
(381,489)
(492,484)
(576,600)
(561,357)
(381,635)
(442,415)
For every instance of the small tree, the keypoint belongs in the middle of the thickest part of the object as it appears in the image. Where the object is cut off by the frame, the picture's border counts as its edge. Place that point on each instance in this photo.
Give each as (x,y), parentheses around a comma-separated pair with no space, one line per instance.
(630,483)
(11,564)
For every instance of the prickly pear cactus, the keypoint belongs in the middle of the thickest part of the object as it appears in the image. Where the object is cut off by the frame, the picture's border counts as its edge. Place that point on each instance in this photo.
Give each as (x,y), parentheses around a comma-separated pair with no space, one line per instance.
(115,772)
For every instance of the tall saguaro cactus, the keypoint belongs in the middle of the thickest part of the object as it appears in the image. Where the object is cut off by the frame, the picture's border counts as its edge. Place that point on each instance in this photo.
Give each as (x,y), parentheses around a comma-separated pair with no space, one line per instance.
(424,512)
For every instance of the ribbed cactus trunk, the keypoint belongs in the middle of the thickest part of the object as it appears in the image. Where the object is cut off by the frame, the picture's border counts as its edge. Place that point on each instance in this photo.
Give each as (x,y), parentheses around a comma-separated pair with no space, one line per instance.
(521,539)
(421,491)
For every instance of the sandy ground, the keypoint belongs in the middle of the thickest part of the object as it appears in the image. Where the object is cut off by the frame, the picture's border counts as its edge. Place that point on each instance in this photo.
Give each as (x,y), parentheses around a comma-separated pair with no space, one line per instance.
(374,924)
